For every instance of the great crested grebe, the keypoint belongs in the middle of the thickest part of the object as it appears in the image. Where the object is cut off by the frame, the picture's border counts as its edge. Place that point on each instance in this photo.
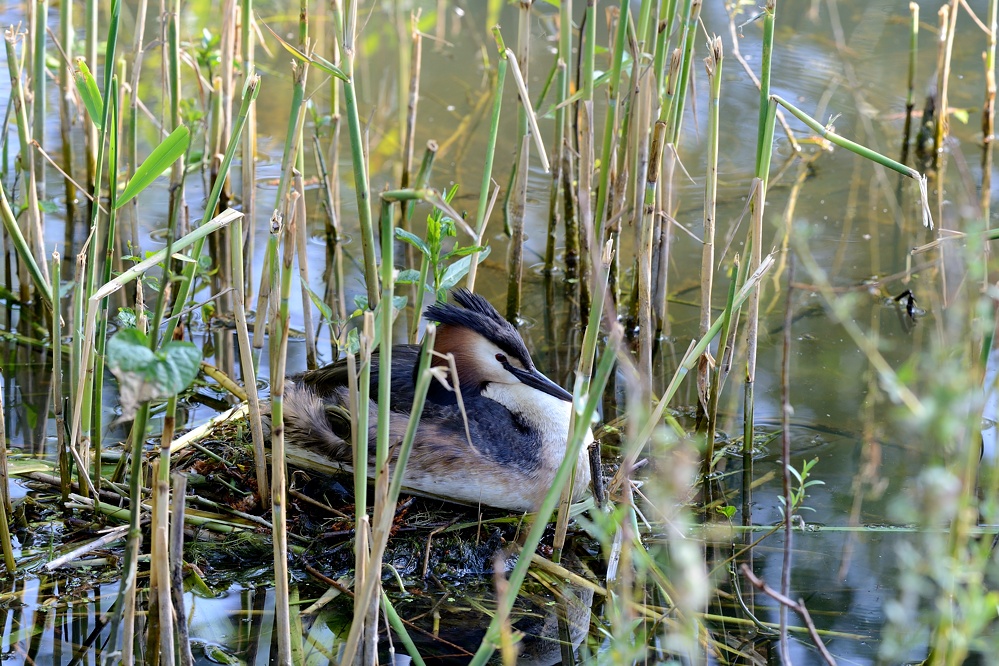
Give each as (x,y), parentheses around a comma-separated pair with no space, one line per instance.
(517,419)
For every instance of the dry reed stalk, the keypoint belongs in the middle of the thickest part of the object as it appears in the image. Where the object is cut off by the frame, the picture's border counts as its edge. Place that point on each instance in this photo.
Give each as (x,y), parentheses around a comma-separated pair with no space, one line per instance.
(301,239)
(65,463)
(91,24)
(587,238)
(160,530)
(667,207)
(516,211)
(249,142)
(562,77)
(246,363)
(361,574)
(988,127)
(647,158)
(130,578)
(713,66)
(910,91)
(219,137)
(786,461)
(186,658)
(39,102)
(412,96)
(66,92)
(485,207)
(508,651)
(948,22)
(333,273)
(264,309)
(517,201)
(279,351)
(138,52)
(76,361)
(32,230)
(5,542)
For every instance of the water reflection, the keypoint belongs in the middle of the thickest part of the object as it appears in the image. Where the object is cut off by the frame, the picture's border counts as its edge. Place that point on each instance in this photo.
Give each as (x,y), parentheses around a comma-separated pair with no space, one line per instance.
(844,60)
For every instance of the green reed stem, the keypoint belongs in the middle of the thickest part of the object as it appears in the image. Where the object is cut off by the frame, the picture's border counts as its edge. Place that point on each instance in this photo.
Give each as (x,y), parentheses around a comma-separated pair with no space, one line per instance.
(33,211)
(5,542)
(400,629)
(348,53)
(713,65)
(368,595)
(843,142)
(39,85)
(487,169)
(691,14)
(159,535)
(423,379)
(23,250)
(100,340)
(582,386)
(248,154)
(185,287)
(910,96)
(610,120)
(563,68)
(279,355)
(768,42)
(540,524)
(360,393)
(246,360)
(90,24)
(171,92)
(133,546)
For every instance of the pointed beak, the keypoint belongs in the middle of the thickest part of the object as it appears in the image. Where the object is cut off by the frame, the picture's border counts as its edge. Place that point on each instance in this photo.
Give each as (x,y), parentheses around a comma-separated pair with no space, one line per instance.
(536,380)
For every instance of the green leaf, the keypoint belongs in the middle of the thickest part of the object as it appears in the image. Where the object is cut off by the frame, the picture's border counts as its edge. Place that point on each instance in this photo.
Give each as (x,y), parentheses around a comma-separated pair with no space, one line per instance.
(728,510)
(86,85)
(458,270)
(126,317)
(328,67)
(353,345)
(313,59)
(162,157)
(408,276)
(324,309)
(464,251)
(145,375)
(412,239)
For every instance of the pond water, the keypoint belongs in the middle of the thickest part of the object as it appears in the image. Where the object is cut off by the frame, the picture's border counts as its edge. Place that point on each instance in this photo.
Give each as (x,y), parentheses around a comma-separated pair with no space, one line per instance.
(845,61)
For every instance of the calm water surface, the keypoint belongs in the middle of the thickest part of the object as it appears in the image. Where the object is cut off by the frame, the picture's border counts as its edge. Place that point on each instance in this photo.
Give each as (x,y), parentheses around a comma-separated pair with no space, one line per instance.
(856,228)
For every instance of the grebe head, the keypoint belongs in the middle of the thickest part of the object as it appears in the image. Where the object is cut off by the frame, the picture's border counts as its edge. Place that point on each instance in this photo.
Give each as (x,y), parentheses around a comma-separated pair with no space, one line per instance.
(487,349)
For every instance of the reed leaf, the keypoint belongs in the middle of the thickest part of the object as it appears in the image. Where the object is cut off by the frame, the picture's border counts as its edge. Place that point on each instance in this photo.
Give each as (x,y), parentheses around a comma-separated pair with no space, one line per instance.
(86,85)
(162,157)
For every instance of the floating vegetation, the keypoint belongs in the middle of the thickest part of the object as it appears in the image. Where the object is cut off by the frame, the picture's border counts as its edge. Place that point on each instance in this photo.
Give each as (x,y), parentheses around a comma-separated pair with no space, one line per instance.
(714,252)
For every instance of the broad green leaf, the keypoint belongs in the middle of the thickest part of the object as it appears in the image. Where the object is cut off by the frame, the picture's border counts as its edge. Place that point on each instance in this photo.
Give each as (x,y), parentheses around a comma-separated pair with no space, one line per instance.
(86,85)
(464,251)
(158,161)
(324,309)
(458,270)
(313,59)
(408,276)
(413,240)
(143,374)
(328,67)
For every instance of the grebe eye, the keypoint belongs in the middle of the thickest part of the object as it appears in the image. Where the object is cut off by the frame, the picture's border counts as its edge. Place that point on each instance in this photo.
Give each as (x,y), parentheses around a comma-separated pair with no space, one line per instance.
(501,358)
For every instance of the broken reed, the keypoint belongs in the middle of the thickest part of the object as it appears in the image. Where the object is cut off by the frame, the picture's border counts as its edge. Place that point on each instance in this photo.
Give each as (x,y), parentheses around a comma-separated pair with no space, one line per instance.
(94,283)
(620,149)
